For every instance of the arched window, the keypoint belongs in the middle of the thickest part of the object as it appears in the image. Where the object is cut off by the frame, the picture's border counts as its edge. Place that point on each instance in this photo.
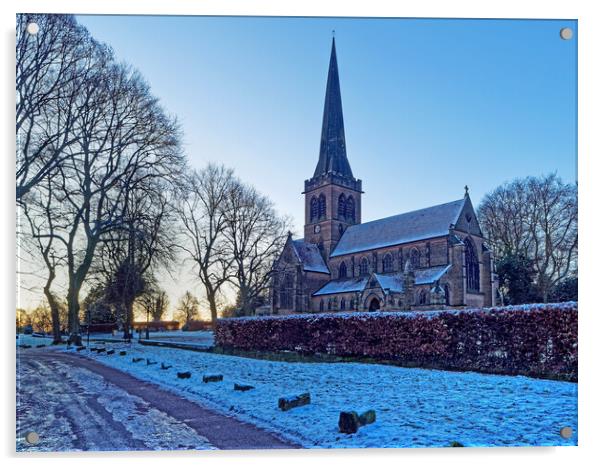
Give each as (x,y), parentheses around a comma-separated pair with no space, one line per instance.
(364,266)
(350,209)
(322,206)
(415,258)
(422,298)
(446,289)
(388,263)
(472,266)
(342,207)
(286,292)
(282,295)
(321,305)
(343,270)
(343,304)
(313,210)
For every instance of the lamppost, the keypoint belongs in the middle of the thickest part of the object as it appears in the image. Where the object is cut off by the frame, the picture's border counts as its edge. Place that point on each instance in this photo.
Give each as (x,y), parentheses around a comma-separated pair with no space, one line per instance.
(147,323)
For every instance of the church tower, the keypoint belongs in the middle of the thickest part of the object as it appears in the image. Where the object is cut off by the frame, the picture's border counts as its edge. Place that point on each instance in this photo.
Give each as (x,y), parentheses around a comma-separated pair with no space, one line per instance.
(332,194)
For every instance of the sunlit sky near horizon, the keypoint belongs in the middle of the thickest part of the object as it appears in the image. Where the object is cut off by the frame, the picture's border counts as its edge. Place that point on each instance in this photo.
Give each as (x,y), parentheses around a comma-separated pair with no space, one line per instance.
(430,105)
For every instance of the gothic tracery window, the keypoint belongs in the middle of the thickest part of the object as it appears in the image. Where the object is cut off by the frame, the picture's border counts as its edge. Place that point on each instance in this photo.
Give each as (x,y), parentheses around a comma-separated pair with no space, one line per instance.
(388,263)
(343,270)
(342,214)
(415,258)
(364,266)
(422,298)
(471,262)
(286,292)
(350,211)
(313,211)
(322,206)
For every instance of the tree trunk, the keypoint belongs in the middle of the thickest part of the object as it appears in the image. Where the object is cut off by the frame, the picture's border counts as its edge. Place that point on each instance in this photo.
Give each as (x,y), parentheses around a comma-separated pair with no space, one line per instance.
(54,314)
(212,309)
(244,300)
(129,319)
(73,308)
(54,307)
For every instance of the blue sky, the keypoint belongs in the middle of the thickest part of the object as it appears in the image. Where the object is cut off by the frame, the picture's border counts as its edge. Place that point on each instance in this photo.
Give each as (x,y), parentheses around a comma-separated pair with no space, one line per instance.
(429,105)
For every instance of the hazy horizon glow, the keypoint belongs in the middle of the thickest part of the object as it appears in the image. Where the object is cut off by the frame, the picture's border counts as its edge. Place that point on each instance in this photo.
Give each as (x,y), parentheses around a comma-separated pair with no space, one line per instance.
(430,105)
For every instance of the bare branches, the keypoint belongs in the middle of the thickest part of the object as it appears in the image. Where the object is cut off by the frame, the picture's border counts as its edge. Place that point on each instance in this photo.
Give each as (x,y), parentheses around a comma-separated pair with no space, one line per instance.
(201,212)
(51,67)
(255,235)
(100,145)
(535,218)
(232,233)
(188,308)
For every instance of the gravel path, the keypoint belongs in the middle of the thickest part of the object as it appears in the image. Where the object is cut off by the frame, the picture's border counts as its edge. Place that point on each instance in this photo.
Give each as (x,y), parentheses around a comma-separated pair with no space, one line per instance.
(75,403)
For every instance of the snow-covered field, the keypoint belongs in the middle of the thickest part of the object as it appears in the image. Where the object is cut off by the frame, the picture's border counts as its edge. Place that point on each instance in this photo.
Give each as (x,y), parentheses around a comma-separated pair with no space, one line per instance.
(200,337)
(414,407)
(33,341)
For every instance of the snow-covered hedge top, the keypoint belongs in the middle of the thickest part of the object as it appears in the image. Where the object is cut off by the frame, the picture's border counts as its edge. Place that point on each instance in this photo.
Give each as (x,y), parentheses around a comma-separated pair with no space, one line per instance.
(566,306)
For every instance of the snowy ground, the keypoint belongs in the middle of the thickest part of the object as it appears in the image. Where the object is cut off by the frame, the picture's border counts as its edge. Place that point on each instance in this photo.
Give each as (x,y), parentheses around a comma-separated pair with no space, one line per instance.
(75,409)
(33,341)
(199,337)
(414,407)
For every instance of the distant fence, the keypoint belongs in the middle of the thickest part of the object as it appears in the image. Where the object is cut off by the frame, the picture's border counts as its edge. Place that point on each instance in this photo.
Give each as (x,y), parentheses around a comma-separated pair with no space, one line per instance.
(538,340)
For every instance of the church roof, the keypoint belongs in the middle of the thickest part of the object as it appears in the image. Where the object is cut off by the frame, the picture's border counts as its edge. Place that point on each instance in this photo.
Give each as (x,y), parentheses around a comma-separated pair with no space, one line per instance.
(430,275)
(347,285)
(333,152)
(310,257)
(389,281)
(403,228)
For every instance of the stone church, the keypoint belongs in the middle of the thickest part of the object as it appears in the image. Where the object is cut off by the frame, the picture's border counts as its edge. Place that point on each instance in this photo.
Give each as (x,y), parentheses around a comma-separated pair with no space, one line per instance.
(432,258)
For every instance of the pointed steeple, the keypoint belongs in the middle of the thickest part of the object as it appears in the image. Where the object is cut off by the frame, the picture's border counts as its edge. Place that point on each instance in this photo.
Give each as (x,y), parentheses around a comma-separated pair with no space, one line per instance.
(333,152)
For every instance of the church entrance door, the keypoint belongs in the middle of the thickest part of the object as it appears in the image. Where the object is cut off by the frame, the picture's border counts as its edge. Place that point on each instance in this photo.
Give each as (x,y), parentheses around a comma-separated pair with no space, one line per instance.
(374,305)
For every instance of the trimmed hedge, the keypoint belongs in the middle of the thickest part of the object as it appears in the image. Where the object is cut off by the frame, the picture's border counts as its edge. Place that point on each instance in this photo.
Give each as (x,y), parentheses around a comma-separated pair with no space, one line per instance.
(538,340)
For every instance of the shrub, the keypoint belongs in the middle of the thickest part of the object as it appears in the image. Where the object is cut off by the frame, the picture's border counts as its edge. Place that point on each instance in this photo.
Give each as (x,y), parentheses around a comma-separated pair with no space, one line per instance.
(538,340)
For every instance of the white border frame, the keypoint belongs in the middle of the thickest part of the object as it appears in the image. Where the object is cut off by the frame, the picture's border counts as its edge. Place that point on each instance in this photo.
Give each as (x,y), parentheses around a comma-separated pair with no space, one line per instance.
(590,77)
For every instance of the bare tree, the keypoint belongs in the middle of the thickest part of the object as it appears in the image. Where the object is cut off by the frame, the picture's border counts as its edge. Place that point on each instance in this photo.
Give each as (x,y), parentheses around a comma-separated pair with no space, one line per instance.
(23,319)
(91,128)
(43,219)
(535,218)
(129,255)
(155,303)
(201,212)
(188,308)
(255,235)
(125,141)
(50,67)
(41,319)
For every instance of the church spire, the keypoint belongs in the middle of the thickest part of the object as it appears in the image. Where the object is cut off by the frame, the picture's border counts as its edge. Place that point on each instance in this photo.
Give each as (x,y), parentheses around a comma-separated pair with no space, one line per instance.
(333,152)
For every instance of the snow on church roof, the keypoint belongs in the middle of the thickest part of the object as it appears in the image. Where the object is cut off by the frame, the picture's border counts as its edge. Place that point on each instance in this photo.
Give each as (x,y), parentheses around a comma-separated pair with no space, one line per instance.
(310,256)
(430,275)
(403,228)
(390,281)
(349,285)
